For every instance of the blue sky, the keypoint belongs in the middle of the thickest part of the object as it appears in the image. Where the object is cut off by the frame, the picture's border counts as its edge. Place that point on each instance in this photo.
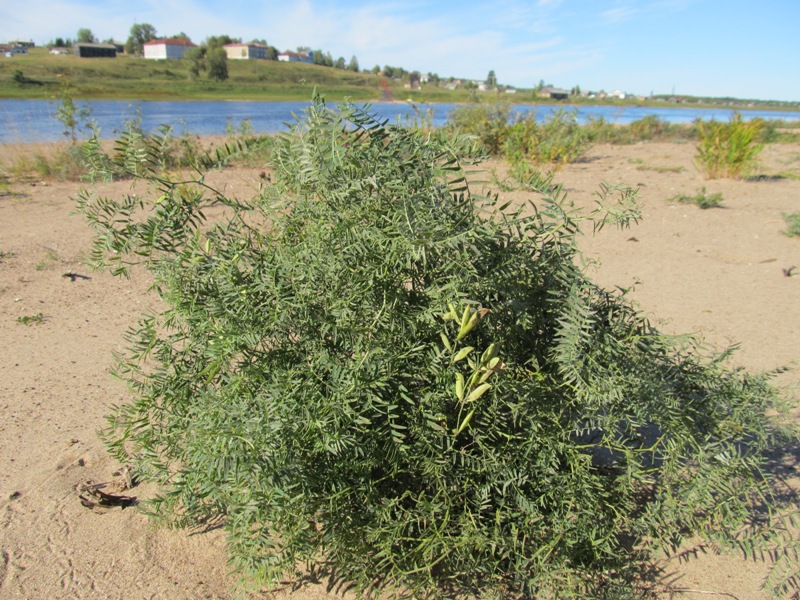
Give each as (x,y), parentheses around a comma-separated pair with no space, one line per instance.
(738,48)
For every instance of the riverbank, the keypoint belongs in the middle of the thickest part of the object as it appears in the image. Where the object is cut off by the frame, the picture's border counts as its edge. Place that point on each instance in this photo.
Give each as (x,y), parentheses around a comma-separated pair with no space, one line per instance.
(719,271)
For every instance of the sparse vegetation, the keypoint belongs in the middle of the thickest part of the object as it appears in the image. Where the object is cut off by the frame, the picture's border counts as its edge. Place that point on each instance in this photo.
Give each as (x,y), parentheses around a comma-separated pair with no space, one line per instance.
(418,385)
(701,199)
(640,166)
(792,224)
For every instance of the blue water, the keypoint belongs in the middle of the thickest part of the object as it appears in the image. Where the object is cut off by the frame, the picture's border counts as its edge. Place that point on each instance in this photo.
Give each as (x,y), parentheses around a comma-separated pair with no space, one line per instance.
(35,120)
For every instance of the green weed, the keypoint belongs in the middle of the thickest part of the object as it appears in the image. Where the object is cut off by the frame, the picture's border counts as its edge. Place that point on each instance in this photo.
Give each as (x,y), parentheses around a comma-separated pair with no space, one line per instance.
(29,320)
(701,199)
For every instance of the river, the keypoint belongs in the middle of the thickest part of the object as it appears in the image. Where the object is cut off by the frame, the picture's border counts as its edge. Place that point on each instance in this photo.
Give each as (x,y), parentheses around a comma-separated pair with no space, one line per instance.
(35,120)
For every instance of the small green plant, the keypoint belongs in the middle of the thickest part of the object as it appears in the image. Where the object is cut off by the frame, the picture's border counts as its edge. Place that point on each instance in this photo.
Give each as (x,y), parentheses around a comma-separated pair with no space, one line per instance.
(50,258)
(728,149)
(701,199)
(792,224)
(29,320)
(6,254)
(368,363)
(69,114)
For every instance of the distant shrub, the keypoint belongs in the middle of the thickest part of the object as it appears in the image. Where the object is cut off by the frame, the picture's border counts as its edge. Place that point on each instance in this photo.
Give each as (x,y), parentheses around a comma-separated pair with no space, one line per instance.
(559,140)
(648,128)
(728,149)
(64,164)
(488,122)
(368,365)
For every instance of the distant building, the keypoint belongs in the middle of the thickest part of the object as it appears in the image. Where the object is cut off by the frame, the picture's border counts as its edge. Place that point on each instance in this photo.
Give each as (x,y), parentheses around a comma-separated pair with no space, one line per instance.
(304,57)
(84,50)
(240,51)
(553,93)
(12,49)
(23,43)
(167,48)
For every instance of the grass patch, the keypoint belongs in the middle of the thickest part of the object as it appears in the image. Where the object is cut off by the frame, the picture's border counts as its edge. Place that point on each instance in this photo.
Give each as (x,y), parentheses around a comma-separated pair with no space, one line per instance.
(701,199)
(792,224)
(662,169)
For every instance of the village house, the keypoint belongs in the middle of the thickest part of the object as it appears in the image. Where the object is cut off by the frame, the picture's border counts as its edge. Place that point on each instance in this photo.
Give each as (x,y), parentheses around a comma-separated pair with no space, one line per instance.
(13,48)
(305,57)
(168,48)
(241,51)
(553,93)
(85,50)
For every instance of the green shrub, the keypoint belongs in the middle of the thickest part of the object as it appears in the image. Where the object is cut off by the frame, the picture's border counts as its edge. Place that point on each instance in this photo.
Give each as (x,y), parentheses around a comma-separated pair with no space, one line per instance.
(367,365)
(559,140)
(792,224)
(728,149)
(701,199)
(648,128)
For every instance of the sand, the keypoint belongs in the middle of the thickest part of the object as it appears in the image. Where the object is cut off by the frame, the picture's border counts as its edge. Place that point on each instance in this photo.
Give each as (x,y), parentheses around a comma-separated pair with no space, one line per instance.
(720,272)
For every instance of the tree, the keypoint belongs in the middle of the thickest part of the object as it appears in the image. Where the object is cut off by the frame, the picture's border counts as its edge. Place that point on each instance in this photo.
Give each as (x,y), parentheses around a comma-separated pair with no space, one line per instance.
(140,34)
(85,36)
(353,64)
(218,41)
(272,53)
(339,64)
(59,43)
(418,383)
(491,80)
(197,63)
(217,62)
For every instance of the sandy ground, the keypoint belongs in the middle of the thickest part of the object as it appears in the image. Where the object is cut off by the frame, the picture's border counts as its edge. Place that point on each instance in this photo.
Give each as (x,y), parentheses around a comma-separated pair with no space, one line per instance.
(717,271)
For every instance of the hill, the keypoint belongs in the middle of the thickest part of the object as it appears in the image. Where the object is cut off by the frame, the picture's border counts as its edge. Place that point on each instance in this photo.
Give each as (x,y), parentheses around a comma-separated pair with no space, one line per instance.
(39,75)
